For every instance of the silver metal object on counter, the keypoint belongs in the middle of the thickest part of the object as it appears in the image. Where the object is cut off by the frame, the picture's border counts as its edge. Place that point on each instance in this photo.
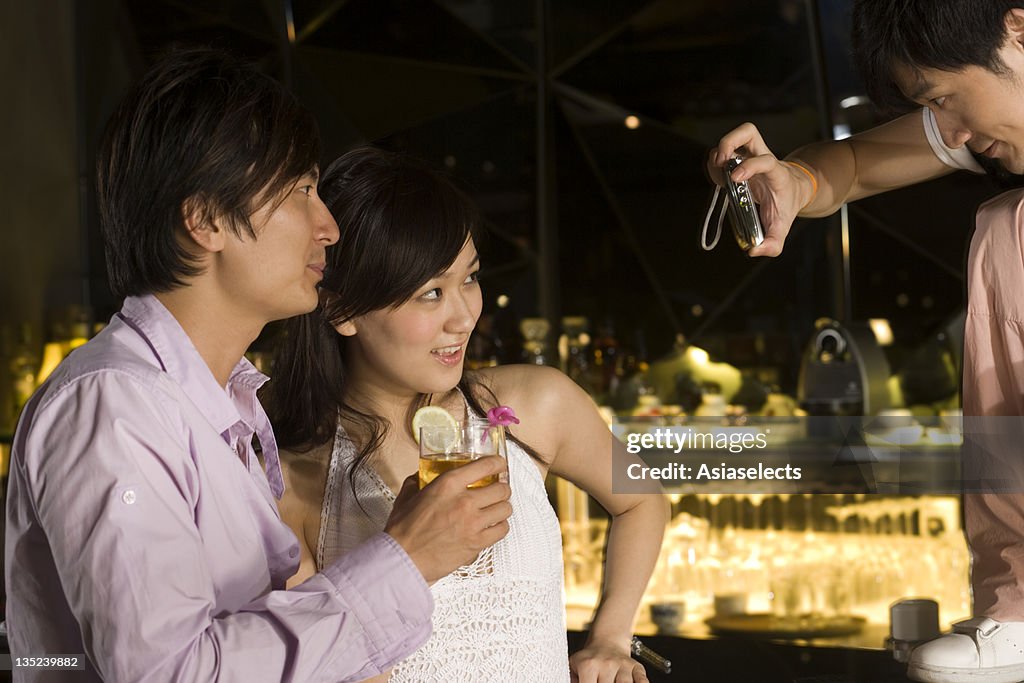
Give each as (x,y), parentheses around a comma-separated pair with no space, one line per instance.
(646,655)
(912,621)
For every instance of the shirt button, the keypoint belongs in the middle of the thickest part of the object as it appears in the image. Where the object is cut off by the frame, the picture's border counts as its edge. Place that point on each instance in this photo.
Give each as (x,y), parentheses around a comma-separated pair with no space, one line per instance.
(128,497)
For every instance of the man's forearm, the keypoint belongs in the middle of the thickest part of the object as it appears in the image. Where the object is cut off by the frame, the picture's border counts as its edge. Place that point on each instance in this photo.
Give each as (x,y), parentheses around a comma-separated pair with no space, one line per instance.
(833,166)
(890,156)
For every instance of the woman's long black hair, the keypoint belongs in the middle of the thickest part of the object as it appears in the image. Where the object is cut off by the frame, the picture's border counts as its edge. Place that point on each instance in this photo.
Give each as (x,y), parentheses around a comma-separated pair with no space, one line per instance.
(402,224)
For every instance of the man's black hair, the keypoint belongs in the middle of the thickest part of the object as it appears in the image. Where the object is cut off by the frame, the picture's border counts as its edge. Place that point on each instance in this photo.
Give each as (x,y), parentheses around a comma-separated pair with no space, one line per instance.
(201,132)
(925,34)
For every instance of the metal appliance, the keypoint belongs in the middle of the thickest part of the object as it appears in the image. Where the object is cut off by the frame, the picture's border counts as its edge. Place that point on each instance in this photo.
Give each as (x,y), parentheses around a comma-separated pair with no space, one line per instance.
(844,371)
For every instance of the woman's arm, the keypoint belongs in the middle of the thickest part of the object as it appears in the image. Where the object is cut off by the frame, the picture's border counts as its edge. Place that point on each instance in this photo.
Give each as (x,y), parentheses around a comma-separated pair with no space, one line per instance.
(560,419)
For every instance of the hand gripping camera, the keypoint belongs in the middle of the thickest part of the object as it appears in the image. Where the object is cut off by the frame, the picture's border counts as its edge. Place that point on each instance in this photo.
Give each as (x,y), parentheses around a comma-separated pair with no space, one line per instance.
(746,225)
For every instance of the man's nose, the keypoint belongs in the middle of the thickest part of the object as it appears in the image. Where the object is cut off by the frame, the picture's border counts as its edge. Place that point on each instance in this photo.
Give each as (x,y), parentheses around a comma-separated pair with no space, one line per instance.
(954,133)
(326,227)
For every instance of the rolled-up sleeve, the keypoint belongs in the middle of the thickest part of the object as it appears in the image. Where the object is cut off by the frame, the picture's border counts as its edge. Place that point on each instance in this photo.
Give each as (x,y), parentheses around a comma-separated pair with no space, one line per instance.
(115,492)
(954,157)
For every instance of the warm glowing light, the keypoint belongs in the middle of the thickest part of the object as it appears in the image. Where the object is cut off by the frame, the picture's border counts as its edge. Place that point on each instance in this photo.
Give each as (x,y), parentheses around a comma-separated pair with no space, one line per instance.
(632,122)
(503,301)
(53,354)
(882,330)
(698,356)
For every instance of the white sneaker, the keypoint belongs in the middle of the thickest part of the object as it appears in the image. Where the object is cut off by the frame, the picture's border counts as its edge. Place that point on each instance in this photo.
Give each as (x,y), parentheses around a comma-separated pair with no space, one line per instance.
(978,650)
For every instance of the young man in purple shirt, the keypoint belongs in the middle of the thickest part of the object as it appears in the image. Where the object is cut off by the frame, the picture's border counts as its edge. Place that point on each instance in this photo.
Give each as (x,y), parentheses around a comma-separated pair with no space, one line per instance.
(142,530)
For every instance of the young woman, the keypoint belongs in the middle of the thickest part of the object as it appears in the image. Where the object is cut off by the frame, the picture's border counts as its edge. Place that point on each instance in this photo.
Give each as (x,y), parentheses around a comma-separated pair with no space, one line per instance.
(398,304)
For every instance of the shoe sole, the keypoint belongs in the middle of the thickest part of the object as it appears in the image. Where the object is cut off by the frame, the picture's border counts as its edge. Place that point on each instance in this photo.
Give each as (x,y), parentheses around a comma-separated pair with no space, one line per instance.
(1000,674)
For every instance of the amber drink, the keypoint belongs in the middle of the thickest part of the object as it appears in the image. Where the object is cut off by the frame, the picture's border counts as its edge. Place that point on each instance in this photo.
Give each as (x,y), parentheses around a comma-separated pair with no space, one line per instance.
(432,465)
(443,448)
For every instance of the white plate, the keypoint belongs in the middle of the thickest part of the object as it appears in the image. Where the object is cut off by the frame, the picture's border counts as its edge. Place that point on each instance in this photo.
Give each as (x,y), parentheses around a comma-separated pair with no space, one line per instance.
(899,436)
(943,438)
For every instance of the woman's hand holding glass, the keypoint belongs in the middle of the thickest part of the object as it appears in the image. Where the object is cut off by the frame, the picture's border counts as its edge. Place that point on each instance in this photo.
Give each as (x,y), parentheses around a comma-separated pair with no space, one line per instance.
(447,524)
(444,447)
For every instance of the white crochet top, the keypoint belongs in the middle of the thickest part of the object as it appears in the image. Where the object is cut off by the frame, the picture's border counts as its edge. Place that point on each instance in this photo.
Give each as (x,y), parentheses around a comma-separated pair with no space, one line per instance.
(499,619)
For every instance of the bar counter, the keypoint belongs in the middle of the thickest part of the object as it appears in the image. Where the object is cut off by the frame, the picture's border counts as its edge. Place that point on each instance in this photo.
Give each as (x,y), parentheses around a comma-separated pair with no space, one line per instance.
(704,659)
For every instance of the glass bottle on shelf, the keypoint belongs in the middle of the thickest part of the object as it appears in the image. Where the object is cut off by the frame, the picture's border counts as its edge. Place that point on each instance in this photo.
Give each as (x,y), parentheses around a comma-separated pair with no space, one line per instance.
(79,328)
(53,354)
(573,351)
(605,368)
(508,347)
(70,330)
(636,393)
(482,350)
(647,401)
(535,334)
(686,390)
(24,365)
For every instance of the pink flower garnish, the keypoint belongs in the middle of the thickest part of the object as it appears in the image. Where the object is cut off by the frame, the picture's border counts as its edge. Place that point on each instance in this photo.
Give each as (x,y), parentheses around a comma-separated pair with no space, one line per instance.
(502,416)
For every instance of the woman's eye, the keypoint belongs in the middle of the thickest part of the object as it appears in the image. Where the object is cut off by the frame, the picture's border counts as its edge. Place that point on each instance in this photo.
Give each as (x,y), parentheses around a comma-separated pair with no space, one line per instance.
(307,190)
(433,295)
(472,277)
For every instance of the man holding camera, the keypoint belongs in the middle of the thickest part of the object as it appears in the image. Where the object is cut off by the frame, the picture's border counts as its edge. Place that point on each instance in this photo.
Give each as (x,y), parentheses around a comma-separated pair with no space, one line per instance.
(962,63)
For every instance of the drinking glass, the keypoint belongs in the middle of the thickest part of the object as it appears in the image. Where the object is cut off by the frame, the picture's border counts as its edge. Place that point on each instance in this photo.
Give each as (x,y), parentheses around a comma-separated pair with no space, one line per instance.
(445,447)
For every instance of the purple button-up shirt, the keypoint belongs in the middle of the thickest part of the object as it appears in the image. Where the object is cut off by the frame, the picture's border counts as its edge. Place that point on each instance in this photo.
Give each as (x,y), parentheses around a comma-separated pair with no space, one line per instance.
(142,531)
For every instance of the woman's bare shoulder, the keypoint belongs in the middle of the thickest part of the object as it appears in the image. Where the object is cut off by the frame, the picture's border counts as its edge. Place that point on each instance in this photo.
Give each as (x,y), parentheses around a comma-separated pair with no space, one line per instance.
(525,387)
(542,398)
(514,380)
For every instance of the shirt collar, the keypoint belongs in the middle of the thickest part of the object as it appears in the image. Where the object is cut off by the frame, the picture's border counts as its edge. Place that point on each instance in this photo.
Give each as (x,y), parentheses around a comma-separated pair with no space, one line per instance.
(243,384)
(181,361)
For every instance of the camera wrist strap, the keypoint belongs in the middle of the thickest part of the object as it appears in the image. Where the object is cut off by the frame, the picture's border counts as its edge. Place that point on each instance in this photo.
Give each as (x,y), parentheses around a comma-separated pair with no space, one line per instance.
(707,221)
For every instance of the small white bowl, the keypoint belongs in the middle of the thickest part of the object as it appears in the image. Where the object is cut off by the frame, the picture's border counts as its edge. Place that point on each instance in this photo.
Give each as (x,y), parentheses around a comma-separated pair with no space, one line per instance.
(891,419)
(899,436)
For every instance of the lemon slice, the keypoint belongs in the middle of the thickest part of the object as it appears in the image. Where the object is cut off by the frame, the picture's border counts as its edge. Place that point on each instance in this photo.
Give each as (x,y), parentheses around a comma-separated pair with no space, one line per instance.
(442,429)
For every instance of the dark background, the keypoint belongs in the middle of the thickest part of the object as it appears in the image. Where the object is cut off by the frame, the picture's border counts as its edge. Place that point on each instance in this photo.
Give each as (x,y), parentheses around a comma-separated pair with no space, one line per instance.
(524,102)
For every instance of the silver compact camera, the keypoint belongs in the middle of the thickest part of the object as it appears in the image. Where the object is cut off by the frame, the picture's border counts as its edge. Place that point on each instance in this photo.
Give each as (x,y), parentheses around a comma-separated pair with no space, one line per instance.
(746,225)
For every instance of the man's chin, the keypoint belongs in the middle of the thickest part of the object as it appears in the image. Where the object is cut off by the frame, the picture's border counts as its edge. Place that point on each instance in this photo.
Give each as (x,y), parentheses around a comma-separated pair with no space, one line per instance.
(1008,171)
(299,308)
(1013,166)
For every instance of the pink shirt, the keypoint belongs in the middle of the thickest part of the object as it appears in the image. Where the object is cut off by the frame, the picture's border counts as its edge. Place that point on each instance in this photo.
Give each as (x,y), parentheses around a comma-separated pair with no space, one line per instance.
(994,335)
(993,391)
(142,531)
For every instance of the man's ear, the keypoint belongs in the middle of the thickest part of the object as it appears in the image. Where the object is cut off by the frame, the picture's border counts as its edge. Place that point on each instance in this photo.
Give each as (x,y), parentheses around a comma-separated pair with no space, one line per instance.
(202,226)
(347,328)
(1015,24)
